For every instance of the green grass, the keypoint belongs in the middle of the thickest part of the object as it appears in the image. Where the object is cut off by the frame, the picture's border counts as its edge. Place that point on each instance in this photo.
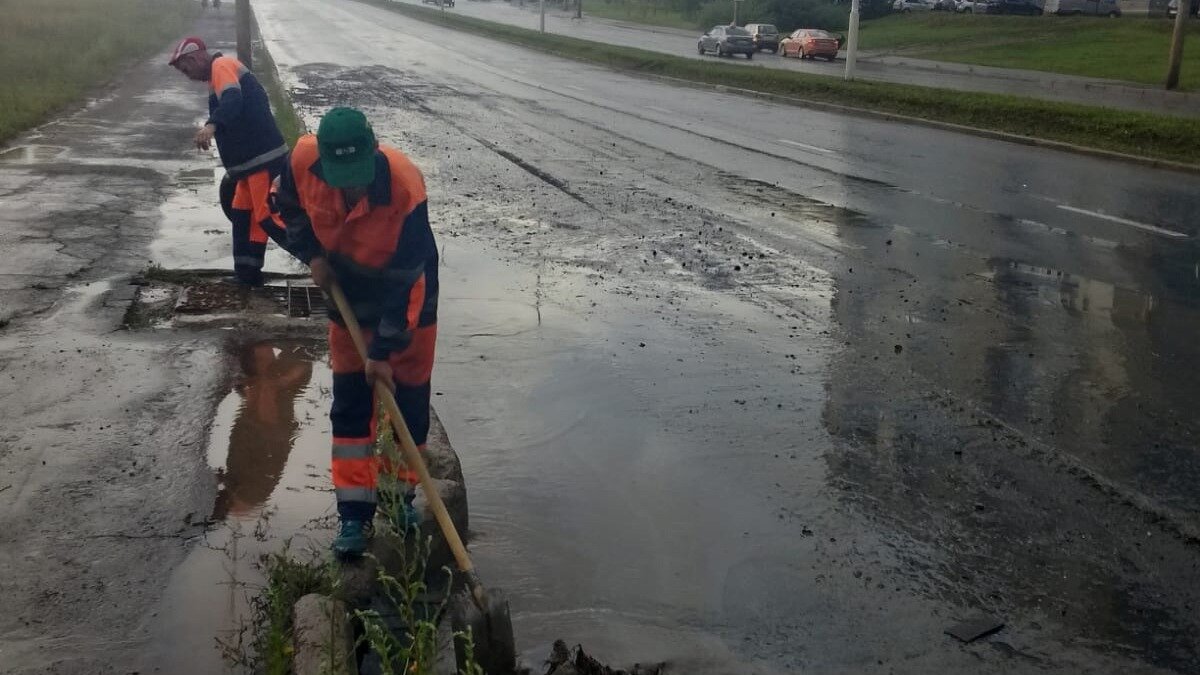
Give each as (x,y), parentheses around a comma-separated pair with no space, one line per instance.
(1156,136)
(286,118)
(635,11)
(1129,48)
(52,52)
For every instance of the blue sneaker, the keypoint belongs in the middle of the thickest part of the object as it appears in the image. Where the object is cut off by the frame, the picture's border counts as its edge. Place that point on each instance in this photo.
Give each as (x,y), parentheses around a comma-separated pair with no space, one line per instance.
(352,538)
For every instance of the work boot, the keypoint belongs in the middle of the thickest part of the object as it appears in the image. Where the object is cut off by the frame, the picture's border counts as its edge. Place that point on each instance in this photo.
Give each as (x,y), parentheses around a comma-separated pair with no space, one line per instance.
(242,281)
(352,538)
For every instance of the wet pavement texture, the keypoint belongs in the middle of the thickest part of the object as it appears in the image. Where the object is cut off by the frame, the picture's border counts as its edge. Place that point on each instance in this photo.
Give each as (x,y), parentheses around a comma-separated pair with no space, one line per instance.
(104,487)
(750,388)
(739,387)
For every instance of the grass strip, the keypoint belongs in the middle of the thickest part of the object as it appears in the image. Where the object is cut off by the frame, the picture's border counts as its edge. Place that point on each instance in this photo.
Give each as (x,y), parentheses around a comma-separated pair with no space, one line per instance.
(286,118)
(639,12)
(1130,48)
(1135,133)
(53,52)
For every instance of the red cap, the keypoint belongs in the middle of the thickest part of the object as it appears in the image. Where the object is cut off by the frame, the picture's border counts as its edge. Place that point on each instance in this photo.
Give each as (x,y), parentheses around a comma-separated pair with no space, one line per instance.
(188,45)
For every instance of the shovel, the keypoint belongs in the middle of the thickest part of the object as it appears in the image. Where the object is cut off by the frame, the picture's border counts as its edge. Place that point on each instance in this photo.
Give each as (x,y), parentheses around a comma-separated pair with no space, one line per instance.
(486,614)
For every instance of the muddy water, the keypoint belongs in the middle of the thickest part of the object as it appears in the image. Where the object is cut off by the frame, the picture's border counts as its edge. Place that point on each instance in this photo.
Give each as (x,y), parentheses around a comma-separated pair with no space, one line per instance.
(645,472)
(269,448)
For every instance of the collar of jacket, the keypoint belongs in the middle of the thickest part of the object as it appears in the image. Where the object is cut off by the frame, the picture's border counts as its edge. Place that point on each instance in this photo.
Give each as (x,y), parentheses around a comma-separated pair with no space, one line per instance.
(215,56)
(379,192)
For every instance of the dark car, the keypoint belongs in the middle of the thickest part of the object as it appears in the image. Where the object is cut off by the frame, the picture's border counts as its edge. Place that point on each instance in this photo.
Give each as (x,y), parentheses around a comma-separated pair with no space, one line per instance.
(1026,7)
(765,36)
(727,40)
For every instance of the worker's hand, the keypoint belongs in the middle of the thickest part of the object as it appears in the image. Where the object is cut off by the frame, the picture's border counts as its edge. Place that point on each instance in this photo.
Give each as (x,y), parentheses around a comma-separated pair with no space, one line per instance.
(203,139)
(322,273)
(380,371)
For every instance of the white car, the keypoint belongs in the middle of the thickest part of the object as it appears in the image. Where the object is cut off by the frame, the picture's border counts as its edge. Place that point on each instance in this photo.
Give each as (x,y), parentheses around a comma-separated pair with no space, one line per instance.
(970,7)
(912,5)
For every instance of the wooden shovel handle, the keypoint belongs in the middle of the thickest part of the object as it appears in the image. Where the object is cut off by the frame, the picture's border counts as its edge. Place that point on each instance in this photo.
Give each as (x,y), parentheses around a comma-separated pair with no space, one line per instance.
(412,456)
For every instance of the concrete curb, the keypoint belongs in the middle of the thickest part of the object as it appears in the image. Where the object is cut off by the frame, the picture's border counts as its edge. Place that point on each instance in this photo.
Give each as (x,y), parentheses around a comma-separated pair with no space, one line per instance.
(323,638)
(934,124)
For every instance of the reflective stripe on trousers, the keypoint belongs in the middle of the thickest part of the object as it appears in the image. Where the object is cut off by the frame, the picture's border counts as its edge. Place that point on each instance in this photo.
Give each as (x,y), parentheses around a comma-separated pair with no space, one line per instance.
(355,468)
(253,222)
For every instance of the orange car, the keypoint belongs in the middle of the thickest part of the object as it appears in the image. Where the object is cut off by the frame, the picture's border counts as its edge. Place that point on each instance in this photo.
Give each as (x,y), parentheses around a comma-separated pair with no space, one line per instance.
(809,43)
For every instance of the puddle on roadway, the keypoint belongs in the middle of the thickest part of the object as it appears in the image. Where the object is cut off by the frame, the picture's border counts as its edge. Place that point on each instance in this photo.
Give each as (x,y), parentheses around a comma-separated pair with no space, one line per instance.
(194,233)
(31,154)
(1088,297)
(626,464)
(269,447)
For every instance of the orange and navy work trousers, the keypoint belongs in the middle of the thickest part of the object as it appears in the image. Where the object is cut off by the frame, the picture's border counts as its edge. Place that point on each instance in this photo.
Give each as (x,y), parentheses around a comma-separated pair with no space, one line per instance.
(253,224)
(356,467)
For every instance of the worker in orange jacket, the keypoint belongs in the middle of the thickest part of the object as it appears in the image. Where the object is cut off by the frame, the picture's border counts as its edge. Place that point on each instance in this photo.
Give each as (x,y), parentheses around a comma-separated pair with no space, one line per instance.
(251,148)
(355,211)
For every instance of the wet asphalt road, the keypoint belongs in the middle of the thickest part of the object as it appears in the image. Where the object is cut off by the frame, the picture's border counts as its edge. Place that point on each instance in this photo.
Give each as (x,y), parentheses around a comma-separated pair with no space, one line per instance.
(775,390)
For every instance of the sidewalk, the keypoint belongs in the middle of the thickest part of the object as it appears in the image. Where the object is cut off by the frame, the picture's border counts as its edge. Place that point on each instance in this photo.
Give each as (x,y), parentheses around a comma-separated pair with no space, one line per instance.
(103,476)
(879,67)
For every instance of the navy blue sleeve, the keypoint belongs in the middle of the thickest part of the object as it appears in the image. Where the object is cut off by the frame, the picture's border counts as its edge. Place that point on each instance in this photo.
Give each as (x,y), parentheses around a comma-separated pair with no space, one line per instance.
(405,279)
(302,241)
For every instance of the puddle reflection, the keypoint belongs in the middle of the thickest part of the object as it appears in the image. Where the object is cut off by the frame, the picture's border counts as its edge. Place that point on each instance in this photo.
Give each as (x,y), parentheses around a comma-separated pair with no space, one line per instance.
(273,378)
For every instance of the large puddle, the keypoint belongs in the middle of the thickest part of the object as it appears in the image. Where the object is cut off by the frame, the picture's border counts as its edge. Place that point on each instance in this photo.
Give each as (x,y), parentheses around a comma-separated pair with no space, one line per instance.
(269,448)
(195,233)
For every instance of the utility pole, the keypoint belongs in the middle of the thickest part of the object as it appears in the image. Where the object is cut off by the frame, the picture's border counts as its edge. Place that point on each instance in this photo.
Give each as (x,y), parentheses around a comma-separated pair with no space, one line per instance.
(542,15)
(735,7)
(578,9)
(1181,15)
(243,33)
(852,40)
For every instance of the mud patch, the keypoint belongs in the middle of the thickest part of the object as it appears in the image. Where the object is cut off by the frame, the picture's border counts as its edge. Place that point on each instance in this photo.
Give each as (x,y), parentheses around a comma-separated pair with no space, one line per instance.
(168,298)
(325,85)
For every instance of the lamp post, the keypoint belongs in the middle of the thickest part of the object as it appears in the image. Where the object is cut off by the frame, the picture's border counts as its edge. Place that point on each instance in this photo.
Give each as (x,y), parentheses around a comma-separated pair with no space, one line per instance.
(1173,63)
(852,40)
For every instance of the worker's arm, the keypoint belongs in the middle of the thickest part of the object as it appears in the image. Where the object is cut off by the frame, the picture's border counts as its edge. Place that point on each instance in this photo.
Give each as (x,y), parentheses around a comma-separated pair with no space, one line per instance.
(302,241)
(227,86)
(405,279)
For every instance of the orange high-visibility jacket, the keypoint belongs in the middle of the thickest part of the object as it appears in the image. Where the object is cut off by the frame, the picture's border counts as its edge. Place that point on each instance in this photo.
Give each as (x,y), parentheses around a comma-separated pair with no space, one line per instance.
(382,251)
(247,137)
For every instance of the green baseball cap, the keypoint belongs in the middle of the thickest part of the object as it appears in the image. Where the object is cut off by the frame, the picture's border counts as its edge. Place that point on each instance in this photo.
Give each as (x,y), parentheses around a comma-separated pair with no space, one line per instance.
(346,145)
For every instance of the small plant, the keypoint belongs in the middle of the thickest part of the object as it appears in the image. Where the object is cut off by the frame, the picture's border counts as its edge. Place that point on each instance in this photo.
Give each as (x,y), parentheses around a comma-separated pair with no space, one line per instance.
(265,645)
(405,592)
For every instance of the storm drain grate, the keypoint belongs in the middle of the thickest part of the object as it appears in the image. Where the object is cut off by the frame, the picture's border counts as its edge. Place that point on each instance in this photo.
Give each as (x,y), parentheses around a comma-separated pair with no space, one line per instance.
(301,300)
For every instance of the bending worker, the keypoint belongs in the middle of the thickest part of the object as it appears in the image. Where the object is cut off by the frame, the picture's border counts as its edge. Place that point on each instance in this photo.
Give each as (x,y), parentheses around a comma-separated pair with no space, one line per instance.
(355,213)
(251,148)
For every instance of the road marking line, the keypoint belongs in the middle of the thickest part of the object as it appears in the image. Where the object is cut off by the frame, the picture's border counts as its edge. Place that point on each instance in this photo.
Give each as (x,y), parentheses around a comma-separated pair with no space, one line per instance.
(1125,221)
(658,109)
(805,146)
(571,86)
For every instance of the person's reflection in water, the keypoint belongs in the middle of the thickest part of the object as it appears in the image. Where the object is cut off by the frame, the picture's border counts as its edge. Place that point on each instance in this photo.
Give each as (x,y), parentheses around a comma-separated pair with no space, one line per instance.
(262,434)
